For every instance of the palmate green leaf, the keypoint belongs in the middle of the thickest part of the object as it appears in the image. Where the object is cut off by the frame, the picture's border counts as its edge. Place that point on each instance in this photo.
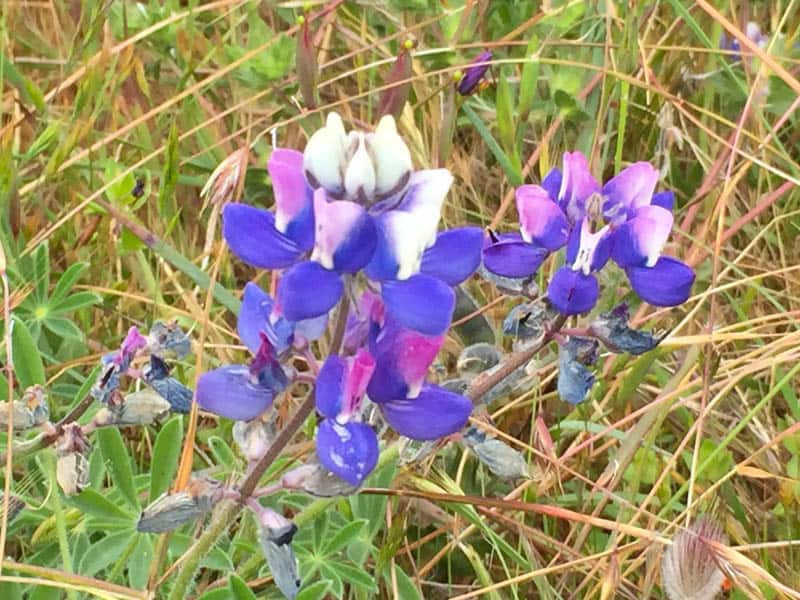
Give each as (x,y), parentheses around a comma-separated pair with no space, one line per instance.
(315,591)
(327,572)
(222,451)
(372,508)
(166,452)
(41,271)
(405,585)
(63,328)
(239,589)
(93,503)
(216,559)
(104,552)
(28,367)
(343,537)
(354,575)
(10,590)
(67,280)
(139,562)
(74,302)
(118,463)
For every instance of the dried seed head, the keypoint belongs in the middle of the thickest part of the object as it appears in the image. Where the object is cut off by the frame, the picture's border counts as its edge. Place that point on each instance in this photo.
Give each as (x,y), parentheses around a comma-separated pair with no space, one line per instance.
(30,411)
(144,407)
(170,511)
(224,180)
(690,567)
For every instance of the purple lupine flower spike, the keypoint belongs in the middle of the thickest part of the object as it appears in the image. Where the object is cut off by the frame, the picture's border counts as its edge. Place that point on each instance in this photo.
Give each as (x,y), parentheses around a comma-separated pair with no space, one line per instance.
(577,185)
(474,73)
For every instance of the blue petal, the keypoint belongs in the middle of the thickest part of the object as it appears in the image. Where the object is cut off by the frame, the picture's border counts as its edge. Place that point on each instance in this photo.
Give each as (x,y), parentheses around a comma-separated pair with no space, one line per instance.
(329,390)
(251,235)
(552,183)
(664,200)
(357,248)
(254,316)
(229,392)
(421,302)
(349,451)
(455,255)
(572,292)
(668,283)
(434,414)
(294,207)
(512,257)
(308,290)
(574,379)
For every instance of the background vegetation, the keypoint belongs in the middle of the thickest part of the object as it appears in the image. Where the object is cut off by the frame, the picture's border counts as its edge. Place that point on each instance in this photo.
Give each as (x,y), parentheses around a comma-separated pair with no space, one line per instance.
(99,96)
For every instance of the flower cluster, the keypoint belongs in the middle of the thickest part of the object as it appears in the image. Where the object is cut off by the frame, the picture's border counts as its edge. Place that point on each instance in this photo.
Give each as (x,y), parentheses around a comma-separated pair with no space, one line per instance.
(351,215)
(624,220)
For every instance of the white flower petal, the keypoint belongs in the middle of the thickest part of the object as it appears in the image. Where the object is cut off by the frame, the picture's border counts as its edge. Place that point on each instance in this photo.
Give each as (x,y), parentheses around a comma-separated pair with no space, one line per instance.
(324,156)
(391,156)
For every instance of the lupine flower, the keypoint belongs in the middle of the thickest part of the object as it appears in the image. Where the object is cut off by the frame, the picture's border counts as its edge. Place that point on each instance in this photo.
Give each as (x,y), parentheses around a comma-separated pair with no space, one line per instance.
(352,201)
(474,73)
(623,220)
(752,31)
(117,364)
(690,569)
(243,392)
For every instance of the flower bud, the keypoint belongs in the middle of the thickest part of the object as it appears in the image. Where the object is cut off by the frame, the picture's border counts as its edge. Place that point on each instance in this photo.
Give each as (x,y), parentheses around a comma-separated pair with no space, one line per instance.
(253,437)
(31,411)
(391,157)
(306,64)
(144,407)
(168,339)
(316,480)
(393,98)
(72,465)
(359,179)
(474,73)
(324,158)
(170,511)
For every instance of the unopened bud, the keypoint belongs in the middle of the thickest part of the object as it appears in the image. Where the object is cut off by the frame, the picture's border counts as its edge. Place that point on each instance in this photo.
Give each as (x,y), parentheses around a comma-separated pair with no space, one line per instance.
(391,157)
(306,63)
(316,480)
(31,411)
(280,557)
(72,465)
(253,437)
(474,74)
(144,407)
(170,511)
(394,97)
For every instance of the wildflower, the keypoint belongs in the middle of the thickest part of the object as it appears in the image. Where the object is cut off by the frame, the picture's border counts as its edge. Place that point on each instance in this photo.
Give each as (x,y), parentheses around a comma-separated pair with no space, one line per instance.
(690,569)
(243,392)
(72,463)
(474,73)
(30,411)
(117,364)
(352,201)
(624,220)
(157,376)
(753,33)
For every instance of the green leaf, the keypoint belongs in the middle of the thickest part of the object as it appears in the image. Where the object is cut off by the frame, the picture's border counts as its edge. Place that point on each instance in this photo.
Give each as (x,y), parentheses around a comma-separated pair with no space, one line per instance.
(222,451)
(41,271)
(513,174)
(354,576)
(343,537)
(75,302)
(216,559)
(101,554)
(529,80)
(44,592)
(169,175)
(91,502)
(316,591)
(405,585)
(28,367)
(506,127)
(118,463)
(217,594)
(44,141)
(139,563)
(10,591)
(63,328)
(166,452)
(118,192)
(239,588)
(67,280)
(28,90)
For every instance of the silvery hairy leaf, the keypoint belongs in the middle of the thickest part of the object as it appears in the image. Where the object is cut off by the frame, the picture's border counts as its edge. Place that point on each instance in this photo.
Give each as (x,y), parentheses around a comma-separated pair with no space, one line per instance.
(316,480)
(477,358)
(254,437)
(500,458)
(612,329)
(30,411)
(15,505)
(156,375)
(574,379)
(171,510)
(511,286)
(167,339)
(144,407)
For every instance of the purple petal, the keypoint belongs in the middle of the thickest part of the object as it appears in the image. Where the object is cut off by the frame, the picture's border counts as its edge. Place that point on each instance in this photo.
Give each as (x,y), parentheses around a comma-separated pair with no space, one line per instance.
(309,330)
(455,256)
(474,73)
(329,390)
(510,256)
(308,290)
(402,358)
(541,220)
(254,316)
(552,183)
(664,200)
(251,235)
(229,392)
(422,303)
(345,237)
(639,241)
(434,414)
(668,283)
(350,451)
(294,207)
(572,292)
(577,184)
(631,189)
